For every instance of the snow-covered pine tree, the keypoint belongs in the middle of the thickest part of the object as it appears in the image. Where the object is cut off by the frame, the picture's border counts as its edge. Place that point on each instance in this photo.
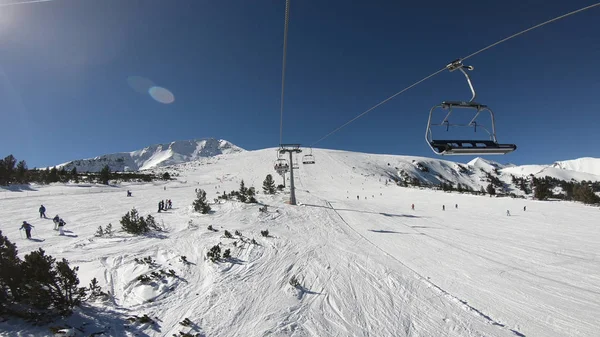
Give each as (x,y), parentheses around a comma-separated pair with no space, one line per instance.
(200,204)
(269,185)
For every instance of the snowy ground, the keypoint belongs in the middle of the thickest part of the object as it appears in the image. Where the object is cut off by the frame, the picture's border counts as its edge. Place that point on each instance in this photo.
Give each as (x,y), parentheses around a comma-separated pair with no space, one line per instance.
(368,267)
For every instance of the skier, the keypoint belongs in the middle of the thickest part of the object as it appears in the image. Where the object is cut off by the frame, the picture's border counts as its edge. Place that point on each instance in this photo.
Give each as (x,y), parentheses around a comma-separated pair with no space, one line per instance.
(443,207)
(128,193)
(160,206)
(524,208)
(412,207)
(507,213)
(456,206)
(357,197)
(56,220)
(170,204)
(42,211)
(61,224)
(27,227)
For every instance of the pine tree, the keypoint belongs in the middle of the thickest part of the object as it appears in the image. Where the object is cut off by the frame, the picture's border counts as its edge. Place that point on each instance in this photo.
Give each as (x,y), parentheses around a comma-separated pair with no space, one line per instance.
(10,274)
(53,175)
(541,190)
(7,170)
(251,195)
(105,175)
(491,190)
(21,174)
(242,192)
(74,175)
(269,185)
(200,204)
(51,284)
(584,193)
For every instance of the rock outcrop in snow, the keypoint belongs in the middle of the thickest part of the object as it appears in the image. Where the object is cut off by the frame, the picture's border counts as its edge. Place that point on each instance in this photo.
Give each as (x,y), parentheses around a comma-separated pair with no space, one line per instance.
(155,156)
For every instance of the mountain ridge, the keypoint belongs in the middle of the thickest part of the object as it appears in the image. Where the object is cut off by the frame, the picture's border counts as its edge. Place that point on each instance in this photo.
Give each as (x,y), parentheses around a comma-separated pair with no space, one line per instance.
(156,155)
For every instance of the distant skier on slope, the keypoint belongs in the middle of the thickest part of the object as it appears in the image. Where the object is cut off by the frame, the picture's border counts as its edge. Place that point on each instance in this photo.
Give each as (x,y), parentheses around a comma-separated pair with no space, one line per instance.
(42,211)
(507,213)
(443,207)
(27,227)
(412,207)
(524,208)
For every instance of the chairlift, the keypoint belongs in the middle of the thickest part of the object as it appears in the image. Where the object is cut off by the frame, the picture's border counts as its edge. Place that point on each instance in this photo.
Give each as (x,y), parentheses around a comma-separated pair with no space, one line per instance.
(281,165)
(308,158)
(465,147)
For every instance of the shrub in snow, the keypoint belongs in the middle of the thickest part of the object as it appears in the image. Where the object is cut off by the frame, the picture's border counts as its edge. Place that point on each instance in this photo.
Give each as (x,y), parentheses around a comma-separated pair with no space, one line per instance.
(238,233)
(227,254)
(280,187)
(186,322)
(254,242)
(95,291)
(214,254)
(210,228)
(108,231)
(144,319)
(200,204)
(227,234)
(144,279)
(187,334)
(133,223)
(294,282)
(99,232)
(265,233)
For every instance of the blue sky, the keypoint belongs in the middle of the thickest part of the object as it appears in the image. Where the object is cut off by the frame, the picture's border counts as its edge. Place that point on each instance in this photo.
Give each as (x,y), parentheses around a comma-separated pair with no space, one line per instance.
(65,64)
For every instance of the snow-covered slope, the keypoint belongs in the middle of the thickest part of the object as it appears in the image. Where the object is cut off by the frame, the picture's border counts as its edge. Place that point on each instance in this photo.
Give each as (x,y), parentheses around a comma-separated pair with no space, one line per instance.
(155,156)
(585,165)
(367,264)
(540,171)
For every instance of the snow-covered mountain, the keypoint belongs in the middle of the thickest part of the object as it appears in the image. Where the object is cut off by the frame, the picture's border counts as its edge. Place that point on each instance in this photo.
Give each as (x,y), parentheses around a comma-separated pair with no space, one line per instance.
(585,165)
(155,156)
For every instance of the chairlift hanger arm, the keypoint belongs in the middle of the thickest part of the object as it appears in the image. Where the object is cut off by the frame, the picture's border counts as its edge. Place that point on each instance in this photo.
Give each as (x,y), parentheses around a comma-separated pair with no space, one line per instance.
(457,64)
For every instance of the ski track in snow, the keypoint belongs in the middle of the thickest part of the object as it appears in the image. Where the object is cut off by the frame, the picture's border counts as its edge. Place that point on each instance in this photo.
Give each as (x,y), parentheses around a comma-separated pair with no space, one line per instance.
(368,267)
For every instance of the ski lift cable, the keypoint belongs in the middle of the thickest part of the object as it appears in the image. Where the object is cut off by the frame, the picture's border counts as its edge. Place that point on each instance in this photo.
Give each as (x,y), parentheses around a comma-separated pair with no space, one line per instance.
(285,34)
(462,59)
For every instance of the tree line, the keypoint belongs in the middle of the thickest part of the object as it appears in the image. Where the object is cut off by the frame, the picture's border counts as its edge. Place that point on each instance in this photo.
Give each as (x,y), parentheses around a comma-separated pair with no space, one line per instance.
(13,172)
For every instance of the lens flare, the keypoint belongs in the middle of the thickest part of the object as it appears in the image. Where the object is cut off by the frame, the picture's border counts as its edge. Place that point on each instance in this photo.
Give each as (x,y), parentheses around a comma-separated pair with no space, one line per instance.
(161,95)
(140,84)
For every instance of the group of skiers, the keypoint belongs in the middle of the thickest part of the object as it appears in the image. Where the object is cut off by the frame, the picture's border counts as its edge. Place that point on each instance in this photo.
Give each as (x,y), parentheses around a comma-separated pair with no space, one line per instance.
(164,205)
(58,223)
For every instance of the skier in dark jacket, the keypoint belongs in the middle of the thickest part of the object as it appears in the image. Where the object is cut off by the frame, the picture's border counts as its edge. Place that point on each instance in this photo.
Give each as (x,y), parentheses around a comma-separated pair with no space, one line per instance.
(42,211)
(56,219)
(27,227)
